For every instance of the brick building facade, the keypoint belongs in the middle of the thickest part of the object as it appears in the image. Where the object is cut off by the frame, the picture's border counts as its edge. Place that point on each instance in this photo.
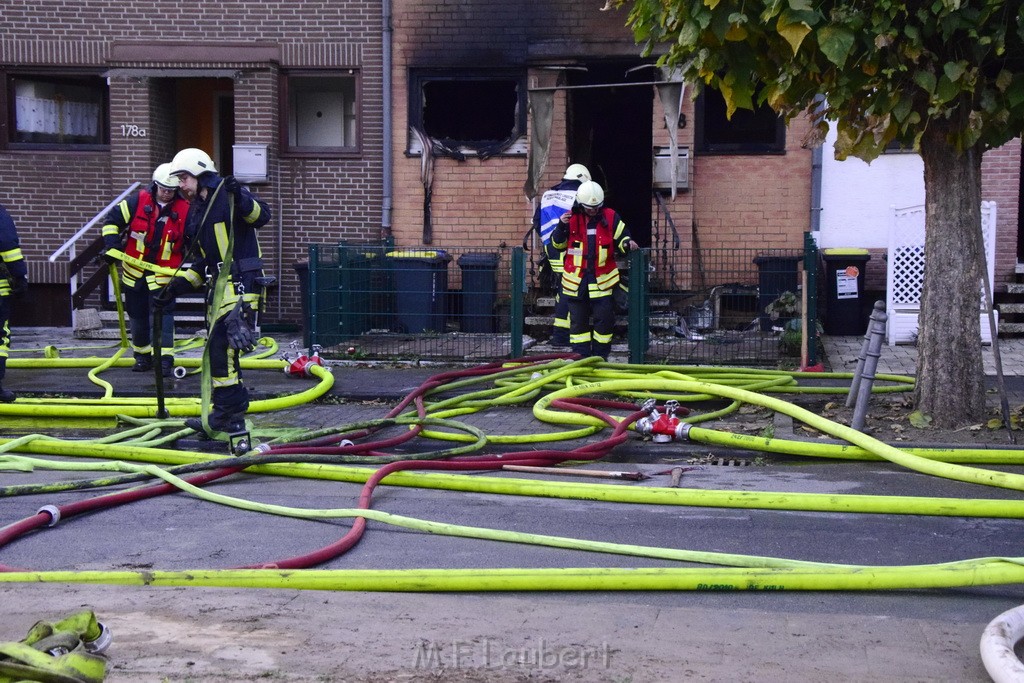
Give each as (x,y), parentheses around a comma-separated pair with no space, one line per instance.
(338,99)
(259,75)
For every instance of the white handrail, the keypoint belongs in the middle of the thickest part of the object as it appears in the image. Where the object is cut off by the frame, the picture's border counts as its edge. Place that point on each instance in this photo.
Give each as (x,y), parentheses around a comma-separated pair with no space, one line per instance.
(67,245)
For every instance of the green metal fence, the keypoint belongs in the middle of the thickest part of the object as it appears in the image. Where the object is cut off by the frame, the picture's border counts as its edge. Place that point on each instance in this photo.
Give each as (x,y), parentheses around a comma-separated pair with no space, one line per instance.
(378,301)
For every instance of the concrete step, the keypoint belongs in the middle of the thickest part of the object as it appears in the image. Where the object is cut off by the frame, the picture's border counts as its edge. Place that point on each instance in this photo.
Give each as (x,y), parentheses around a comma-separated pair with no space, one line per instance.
(1010,308)
(1015,288)
(179,317)
(1010,328)
(656,302)
(662,322)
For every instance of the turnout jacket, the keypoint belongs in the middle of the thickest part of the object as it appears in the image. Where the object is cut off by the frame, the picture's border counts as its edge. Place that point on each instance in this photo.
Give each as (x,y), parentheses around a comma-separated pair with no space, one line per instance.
(590,244)
(210,224)
(147,231)
(10,254)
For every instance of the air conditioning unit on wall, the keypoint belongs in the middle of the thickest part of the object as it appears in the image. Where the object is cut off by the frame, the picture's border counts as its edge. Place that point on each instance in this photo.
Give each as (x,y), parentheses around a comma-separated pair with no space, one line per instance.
(663,169)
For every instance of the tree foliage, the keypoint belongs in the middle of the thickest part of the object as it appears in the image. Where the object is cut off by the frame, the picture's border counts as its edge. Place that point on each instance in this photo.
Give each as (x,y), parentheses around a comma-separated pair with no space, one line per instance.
(882,70)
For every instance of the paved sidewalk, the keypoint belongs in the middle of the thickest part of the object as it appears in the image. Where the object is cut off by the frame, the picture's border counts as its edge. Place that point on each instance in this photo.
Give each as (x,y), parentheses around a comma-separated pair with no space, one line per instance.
(842,354)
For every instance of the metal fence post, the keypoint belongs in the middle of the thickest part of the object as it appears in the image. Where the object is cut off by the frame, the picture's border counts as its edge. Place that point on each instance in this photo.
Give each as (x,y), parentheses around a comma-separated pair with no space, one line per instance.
(811,269)
(515,323)
(311,299)
(638,317)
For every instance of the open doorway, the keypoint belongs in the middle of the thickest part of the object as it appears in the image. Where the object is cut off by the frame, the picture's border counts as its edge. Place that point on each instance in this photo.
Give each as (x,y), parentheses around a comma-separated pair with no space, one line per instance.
(205,118)
(609,131)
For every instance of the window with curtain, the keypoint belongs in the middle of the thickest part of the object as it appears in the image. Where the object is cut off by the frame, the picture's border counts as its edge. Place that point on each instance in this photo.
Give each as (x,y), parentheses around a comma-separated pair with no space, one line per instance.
(50,110)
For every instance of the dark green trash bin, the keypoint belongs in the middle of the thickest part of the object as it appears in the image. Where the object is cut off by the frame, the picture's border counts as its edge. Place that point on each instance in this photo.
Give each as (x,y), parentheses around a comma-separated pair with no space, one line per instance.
(845,313)
(420,279)
(479,291)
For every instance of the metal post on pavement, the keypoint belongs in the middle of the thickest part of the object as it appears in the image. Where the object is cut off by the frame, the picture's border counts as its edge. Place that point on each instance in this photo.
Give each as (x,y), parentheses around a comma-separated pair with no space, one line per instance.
(864,379)
(851,397)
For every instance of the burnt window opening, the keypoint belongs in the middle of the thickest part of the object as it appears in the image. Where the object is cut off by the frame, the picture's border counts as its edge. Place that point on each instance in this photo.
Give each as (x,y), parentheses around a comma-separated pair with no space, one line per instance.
(484,112)
(760,131)
(57,111)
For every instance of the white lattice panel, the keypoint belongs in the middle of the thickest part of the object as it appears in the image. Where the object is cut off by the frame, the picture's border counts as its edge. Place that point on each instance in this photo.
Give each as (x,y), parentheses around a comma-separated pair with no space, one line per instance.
(905,270)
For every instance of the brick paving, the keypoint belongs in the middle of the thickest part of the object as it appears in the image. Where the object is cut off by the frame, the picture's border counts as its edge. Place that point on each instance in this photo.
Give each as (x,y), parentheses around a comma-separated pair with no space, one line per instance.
(901,359)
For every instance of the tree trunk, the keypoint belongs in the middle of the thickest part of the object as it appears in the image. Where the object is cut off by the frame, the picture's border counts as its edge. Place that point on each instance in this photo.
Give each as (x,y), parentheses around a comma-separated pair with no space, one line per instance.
(950,375)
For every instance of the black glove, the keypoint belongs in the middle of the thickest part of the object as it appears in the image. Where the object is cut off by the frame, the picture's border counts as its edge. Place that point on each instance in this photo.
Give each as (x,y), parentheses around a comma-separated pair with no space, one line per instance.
(175,287)
(20,286)
(240,335)
(108,258)
(231,185)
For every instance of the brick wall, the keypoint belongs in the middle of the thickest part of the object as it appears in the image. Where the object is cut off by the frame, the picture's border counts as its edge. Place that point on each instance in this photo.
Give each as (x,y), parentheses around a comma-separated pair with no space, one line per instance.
(762,200)
(1000,182)
(322,199)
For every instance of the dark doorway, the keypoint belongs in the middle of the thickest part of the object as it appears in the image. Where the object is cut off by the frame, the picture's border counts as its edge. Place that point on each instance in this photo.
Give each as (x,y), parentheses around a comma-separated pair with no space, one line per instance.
(609,131)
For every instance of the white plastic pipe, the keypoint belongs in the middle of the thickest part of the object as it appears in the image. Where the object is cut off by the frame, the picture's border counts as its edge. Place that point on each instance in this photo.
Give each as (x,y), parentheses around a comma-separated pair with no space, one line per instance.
(997,644)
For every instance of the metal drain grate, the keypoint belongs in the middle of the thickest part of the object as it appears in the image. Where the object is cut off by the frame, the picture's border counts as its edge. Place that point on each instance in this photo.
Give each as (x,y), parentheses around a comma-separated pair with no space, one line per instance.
(730,462)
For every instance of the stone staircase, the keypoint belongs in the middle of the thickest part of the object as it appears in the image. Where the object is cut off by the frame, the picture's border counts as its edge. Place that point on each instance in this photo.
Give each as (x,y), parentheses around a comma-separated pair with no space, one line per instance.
(540,318)
(1011,306)
(189,320)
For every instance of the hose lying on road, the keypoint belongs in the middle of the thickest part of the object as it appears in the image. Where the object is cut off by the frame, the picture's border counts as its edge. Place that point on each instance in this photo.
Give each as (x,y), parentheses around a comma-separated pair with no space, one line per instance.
(997,646)
(569,383)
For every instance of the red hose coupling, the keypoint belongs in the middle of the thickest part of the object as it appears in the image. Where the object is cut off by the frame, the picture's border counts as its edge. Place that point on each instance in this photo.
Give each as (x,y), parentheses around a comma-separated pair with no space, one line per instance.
(303,366)
(665,426)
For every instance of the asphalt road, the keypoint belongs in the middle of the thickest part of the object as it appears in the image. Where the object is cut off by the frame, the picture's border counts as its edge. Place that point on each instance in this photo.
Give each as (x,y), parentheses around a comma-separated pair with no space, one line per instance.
(219,634)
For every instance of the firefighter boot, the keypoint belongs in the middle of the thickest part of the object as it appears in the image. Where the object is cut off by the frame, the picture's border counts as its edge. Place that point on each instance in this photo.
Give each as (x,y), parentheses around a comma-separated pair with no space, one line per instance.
(143,362)
(167,365)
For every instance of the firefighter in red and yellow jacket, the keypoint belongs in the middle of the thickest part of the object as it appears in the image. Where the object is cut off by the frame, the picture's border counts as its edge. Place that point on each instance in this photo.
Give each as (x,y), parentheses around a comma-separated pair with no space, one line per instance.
(149,226)
(591,234)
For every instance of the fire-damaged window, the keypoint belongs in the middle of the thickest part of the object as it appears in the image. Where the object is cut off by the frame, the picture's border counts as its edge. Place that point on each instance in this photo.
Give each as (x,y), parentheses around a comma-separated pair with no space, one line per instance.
(760,131)
(322,112)
(56,110)
(482,112)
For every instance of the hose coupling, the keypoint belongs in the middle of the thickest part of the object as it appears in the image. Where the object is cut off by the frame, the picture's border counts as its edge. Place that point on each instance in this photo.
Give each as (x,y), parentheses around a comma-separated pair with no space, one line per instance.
(53,511)
(262,448)
(179,372)
(303,366)
(663,427)
(344,443)
(100,644)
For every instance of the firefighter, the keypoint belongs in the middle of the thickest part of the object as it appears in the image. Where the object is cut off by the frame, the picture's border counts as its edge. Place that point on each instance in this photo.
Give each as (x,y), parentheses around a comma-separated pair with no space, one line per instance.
(13,282)
(149,226)
(553,204)
(591,234)
(222,220)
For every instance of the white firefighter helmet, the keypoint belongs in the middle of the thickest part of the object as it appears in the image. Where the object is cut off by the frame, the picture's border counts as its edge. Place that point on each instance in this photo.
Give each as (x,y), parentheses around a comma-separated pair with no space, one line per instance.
(163,177)
(590,195)
(192,161)
(576,172)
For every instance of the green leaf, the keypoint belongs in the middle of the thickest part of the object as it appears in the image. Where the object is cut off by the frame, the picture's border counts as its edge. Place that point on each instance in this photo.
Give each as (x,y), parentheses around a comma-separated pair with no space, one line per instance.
(902,108)
(919,419)
(954,70)
(800,5)
(835,42)
(1015,91)
(945,90)
(925,79)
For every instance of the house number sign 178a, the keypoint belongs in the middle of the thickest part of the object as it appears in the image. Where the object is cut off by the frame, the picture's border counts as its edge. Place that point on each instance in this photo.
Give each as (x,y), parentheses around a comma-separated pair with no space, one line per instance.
(130,130)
